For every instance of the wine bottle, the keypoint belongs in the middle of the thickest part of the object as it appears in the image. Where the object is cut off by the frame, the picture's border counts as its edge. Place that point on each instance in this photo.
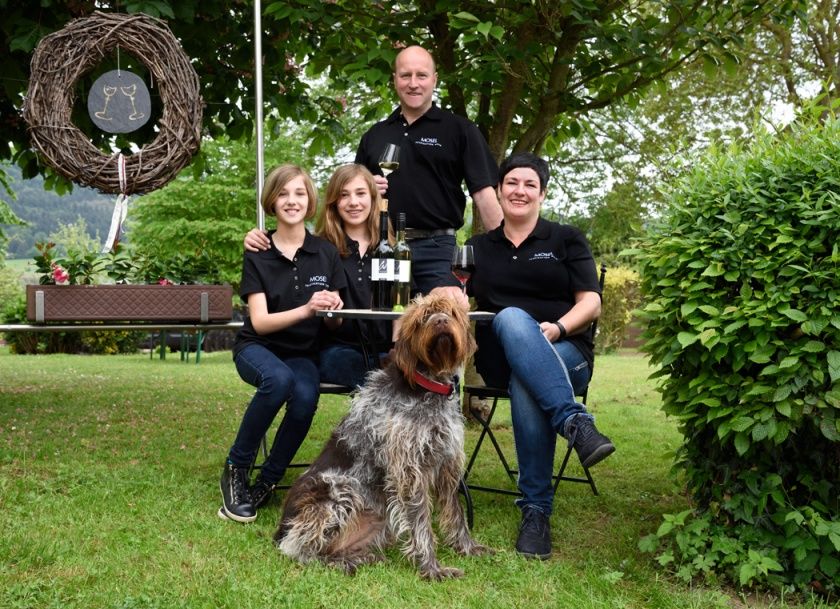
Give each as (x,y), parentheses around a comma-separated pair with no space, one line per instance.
(382,266)
(402,267)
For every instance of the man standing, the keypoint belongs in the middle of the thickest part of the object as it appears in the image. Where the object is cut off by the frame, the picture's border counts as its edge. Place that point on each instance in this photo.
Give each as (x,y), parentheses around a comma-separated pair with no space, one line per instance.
(438,151)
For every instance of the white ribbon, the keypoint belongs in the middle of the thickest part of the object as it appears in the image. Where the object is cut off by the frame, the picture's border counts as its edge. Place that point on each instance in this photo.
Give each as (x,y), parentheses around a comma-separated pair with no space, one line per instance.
(120,209)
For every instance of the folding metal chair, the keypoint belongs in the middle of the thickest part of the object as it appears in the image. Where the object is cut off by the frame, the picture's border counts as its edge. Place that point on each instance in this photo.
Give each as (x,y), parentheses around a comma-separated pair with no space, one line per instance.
(484,392)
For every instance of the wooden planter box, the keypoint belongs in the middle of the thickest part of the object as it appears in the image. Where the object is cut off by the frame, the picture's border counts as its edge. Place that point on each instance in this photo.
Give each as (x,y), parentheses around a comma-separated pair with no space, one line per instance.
(158,303)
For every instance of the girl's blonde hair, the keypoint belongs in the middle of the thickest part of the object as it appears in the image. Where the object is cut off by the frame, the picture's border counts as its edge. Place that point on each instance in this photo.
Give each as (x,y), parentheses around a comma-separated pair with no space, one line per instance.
(329,224)
(278,178)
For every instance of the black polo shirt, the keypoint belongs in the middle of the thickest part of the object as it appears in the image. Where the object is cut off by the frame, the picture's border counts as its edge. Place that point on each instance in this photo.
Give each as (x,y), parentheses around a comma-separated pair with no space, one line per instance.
(288,284)
(357,296)
(438,152)
(540,276)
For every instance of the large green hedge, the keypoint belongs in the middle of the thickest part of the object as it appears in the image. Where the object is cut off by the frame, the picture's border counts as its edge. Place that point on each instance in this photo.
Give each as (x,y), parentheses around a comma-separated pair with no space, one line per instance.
(741,280)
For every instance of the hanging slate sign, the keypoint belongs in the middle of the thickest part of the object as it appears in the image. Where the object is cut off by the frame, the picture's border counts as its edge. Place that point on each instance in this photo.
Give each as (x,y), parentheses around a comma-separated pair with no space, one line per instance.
(119,102)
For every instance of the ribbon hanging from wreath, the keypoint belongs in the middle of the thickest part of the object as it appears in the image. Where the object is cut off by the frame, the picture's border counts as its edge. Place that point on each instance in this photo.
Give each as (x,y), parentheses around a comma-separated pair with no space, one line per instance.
(65,56)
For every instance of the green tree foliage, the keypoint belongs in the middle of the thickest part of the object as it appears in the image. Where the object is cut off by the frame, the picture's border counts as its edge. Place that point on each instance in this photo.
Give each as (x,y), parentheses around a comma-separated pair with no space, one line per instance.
(526,72)
(611,171)
(208,216)
(742,280)
(75,237)
(803,55)
(563,78)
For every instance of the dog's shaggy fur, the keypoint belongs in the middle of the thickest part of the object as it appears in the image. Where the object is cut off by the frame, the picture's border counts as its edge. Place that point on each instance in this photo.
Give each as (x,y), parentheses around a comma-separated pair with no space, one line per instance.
(400,448)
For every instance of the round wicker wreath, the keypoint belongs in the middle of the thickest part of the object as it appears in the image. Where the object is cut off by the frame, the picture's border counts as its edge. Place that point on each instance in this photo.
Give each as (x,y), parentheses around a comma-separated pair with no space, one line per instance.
(64,56)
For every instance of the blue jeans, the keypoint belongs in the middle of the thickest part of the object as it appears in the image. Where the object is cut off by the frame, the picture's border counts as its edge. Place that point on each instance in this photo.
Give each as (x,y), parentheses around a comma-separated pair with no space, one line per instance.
(292,381)
(431,263)
(542,379)
(344,365)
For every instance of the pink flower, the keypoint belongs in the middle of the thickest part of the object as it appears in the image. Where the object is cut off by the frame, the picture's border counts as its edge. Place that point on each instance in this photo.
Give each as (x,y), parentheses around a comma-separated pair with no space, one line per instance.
(60,276)
(164,281)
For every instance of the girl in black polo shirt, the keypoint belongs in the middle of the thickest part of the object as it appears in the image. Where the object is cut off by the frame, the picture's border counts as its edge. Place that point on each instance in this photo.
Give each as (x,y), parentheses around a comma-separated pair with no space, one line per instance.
(277,348)
(350,221)
(540,280)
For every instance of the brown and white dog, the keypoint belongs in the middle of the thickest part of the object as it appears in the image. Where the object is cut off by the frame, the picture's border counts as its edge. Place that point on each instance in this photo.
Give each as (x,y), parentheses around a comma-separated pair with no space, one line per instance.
(398,450)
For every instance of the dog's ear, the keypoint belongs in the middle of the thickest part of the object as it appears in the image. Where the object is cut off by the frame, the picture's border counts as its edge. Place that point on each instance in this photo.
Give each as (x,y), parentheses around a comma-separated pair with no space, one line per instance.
(461,316)
(472,346)
(404,359)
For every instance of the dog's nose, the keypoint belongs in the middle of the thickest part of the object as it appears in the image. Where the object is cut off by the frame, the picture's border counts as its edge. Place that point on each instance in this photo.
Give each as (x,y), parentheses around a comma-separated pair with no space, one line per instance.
(439,319)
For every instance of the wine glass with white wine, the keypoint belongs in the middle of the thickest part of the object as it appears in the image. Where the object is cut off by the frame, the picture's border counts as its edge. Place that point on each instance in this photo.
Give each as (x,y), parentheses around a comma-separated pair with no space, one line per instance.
(390,159)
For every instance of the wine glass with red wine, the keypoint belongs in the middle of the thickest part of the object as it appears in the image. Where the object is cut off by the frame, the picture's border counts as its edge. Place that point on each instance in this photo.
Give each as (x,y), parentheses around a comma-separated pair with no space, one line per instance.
(463,264)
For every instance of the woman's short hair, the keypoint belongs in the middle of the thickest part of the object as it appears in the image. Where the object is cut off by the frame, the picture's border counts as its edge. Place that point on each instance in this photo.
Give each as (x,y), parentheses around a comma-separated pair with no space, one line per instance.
(329,225)
(525,159)
(278,178)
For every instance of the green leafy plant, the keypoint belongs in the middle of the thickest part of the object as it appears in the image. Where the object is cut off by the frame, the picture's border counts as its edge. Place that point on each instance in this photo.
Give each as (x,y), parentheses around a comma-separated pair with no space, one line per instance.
(83,268)
(177,268)
(742,294)
(77,268)
(119,266)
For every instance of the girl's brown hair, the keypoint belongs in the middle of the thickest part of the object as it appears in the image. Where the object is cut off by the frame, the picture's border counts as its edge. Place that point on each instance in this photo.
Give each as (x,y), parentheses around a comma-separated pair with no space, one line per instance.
(329,225)
(278,178)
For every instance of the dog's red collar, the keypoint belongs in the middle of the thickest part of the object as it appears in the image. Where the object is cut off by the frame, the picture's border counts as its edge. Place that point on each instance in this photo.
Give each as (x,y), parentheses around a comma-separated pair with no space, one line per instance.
(430,385)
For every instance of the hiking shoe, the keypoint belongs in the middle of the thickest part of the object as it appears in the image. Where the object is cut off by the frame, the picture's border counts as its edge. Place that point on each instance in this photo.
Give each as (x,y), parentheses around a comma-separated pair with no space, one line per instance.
(534,539)
(591,445)
(261,492)
(236,500)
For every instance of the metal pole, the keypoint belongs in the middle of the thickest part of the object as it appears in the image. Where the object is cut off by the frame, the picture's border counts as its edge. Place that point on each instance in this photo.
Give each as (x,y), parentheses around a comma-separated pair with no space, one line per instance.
(258,114)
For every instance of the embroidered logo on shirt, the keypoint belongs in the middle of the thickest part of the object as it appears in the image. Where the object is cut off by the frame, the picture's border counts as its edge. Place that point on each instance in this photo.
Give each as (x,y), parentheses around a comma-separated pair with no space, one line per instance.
(542,256)
(429,141)
(318,280)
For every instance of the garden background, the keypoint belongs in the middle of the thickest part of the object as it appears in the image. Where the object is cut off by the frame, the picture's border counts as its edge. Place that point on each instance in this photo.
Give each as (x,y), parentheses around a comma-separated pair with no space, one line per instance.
(691,141)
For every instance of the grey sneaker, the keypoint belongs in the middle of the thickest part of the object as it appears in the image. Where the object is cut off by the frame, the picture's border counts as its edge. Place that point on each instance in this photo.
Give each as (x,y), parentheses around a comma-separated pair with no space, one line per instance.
(236,500)
(534,539)
(591,445)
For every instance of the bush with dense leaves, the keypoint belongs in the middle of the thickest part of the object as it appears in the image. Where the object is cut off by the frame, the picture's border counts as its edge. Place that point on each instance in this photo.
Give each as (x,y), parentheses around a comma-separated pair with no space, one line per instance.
(741,280)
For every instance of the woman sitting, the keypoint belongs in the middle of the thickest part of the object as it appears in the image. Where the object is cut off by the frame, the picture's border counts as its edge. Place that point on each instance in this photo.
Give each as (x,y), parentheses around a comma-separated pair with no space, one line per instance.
(540,279)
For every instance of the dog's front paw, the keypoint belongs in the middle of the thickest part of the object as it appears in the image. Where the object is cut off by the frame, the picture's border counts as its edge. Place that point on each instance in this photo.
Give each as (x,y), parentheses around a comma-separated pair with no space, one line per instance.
(475,549)
(342,564)
(438,573)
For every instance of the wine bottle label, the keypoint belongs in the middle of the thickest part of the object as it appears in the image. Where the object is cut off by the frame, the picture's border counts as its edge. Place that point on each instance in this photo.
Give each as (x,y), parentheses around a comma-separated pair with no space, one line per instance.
(382,269)
(402,270)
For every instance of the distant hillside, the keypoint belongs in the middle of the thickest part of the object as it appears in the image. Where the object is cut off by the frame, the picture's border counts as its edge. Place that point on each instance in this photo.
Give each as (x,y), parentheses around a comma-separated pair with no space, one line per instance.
(45,212)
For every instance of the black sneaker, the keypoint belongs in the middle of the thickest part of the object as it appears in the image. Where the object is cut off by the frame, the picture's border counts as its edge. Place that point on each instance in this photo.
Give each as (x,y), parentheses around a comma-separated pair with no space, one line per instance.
(261,492)
(591,445)
(236,500)
(534,539)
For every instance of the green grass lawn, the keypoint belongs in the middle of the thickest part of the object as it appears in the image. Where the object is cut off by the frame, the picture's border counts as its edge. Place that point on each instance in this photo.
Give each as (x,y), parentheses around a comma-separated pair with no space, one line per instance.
(109,469)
